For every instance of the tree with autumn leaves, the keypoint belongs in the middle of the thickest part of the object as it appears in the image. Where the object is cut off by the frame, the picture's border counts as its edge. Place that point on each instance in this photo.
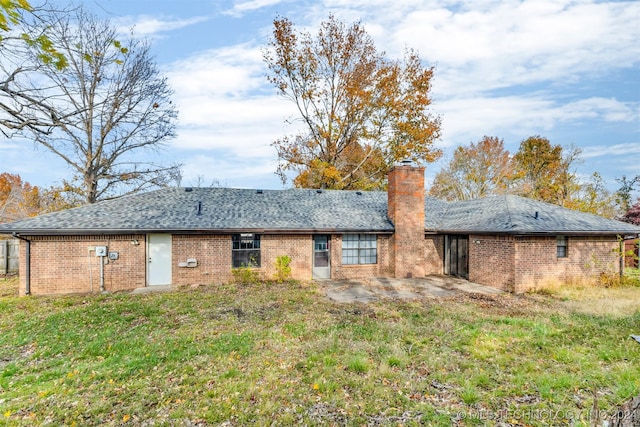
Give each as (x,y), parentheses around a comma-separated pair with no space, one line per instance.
(478,170)
(538,170)
(20,199)
(360,111)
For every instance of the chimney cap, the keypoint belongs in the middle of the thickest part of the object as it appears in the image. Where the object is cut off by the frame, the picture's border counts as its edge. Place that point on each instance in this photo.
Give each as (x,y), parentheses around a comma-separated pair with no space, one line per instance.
(406,162)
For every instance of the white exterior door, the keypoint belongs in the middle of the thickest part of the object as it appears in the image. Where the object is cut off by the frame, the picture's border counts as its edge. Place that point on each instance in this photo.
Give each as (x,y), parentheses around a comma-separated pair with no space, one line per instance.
(158,259)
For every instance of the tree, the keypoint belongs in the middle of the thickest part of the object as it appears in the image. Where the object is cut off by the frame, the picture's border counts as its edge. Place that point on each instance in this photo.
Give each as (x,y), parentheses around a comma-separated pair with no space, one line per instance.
(632,216)
(593,197)
(481,169)
(361,112)
(544,171)
(10,13)
(21,31)
(18,200)
(623,195)
(109,106)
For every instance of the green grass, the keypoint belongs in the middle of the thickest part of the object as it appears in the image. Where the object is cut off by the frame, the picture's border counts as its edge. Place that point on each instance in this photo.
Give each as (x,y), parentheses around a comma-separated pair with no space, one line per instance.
(282,354)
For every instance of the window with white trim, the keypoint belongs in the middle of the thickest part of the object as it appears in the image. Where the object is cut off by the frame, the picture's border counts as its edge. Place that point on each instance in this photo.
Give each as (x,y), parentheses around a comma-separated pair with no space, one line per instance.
(561,245)
(359,249)
(246,250)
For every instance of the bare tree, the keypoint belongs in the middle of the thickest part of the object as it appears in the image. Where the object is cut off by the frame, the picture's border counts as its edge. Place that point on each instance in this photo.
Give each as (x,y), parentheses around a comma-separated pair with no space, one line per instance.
(108,107)
(22,31)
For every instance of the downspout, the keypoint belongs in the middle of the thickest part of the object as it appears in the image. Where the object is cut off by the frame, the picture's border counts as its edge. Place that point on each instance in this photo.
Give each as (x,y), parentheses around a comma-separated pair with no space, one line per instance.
(621,259)
(27,267)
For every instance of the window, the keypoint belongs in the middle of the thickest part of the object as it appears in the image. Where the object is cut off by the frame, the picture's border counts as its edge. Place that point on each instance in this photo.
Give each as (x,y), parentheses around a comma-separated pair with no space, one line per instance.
(359,249)
(561,244)
(246,250)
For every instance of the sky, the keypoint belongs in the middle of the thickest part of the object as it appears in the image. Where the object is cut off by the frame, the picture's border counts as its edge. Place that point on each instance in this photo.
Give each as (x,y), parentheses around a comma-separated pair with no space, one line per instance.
(566,70)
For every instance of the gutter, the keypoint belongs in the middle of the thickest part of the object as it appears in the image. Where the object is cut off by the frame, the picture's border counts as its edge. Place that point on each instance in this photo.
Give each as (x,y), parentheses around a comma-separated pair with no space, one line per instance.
(533,233)
(217,231)
(27,289)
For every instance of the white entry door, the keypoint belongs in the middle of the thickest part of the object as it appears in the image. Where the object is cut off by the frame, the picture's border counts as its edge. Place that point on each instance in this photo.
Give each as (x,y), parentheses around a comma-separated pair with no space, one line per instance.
(158,259)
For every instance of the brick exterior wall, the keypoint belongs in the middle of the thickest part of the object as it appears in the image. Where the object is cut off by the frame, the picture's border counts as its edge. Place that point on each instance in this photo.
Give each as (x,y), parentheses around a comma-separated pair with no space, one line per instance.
(213,256)
(434,254)
(491,261)
(522,263)
(64,264)
(213,253)
(406,211)
(537,264)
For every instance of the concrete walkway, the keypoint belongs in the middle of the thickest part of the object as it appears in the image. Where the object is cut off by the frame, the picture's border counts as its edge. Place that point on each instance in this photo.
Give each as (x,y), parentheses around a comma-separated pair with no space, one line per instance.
(372,289)
(155,288)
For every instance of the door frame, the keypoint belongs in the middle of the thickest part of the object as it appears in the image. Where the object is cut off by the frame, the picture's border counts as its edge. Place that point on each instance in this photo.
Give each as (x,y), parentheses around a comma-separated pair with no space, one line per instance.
(456,255)
(321,272)
(165,266)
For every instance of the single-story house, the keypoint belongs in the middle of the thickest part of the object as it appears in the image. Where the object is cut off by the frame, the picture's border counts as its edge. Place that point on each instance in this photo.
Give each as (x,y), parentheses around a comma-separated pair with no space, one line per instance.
(184,236)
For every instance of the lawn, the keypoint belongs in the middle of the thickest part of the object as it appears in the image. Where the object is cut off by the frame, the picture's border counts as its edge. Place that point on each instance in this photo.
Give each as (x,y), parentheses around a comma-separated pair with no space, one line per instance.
(281,354)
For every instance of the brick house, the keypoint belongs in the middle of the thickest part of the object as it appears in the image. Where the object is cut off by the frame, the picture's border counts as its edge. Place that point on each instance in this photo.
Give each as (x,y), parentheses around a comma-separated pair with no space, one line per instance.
(184,236)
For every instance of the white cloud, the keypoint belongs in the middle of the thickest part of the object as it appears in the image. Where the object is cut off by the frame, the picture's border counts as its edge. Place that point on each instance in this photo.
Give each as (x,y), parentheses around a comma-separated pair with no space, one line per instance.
(468,119)
(233,70)
(146,25)
(484,45)
(243,7)
(229,116)
(626,149)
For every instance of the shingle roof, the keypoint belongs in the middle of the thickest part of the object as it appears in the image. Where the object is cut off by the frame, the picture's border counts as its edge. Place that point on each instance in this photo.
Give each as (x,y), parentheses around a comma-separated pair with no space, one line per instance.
(221,209)
(298,210)
(519,215)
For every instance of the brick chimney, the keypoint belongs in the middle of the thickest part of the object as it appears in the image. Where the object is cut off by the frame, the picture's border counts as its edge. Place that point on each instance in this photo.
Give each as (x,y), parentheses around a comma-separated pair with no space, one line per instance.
(406,211)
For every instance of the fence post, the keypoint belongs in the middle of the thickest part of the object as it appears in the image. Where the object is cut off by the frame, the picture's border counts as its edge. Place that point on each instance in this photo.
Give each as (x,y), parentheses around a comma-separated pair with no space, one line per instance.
(5,257)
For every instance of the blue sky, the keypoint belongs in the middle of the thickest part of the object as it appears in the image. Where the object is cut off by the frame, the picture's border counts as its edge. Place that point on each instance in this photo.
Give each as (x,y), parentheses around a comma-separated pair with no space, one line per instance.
(566,70)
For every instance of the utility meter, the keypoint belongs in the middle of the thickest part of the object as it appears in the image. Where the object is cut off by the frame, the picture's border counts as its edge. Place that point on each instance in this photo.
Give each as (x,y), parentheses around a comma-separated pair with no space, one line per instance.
(101,251)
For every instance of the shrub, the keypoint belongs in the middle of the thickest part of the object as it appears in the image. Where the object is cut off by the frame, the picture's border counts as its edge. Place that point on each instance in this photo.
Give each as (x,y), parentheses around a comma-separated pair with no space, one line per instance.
(245,276)
(283,270)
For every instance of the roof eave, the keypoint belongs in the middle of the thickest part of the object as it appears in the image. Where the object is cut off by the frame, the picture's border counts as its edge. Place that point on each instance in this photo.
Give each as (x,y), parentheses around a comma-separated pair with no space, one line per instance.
(538,233)
(105,232)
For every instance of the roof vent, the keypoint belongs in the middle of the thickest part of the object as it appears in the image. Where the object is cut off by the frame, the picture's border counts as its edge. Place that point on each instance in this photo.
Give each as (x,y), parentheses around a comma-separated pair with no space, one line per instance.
(318,191)
(188,189)
(199,212)
(359,193)
(259,191)
(537,215)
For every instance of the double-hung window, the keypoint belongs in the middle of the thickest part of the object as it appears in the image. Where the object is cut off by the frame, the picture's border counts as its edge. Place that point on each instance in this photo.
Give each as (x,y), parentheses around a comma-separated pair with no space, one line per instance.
(246,250)
(359,249)
(561,245)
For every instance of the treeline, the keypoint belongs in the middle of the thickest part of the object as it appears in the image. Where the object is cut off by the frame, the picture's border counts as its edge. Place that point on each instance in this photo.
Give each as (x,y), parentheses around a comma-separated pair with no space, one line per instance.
(539,170)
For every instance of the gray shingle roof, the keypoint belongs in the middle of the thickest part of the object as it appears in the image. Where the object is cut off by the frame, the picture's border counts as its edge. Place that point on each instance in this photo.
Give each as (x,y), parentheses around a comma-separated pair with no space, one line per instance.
(519,215)
(221,209)
(298,210)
